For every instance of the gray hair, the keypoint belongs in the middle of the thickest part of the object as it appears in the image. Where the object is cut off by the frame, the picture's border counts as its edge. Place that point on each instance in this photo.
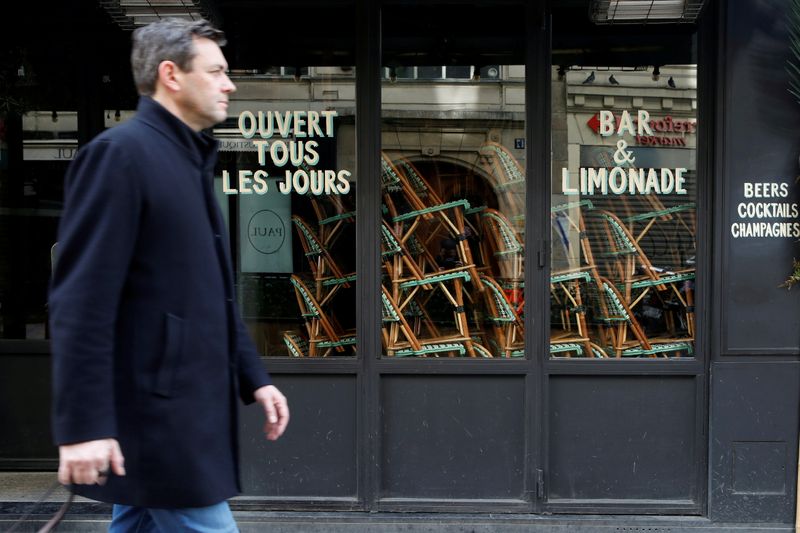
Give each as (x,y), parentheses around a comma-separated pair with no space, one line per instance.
(169,39)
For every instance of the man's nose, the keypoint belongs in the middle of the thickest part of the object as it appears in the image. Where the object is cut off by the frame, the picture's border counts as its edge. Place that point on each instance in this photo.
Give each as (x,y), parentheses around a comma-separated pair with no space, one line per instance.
(228,86)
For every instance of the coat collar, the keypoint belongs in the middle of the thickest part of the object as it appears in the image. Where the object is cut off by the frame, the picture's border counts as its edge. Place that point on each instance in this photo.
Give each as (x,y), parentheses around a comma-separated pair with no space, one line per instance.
(201,147)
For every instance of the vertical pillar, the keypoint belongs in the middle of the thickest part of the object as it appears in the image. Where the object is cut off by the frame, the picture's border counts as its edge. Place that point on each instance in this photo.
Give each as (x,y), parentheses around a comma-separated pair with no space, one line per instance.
(755,372)
(12,269)
(368,265)
(91,120)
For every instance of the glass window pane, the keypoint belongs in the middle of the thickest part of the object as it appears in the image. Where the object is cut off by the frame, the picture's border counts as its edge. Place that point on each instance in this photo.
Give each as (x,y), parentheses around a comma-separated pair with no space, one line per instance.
(405,73)
(286,179)
(623,212)
(35,149)
(429,73)
(453,199)
(454,73)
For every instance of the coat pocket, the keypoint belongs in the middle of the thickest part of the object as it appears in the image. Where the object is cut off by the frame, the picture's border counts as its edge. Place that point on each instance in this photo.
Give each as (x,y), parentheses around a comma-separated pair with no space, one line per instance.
(173,348)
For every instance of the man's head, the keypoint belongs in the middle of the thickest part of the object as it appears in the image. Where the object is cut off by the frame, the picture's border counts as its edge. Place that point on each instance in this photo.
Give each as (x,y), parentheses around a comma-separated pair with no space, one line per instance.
(180,64)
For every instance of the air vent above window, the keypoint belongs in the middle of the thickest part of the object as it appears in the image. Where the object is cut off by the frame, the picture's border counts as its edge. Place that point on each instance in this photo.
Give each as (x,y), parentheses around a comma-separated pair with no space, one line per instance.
(130,14)
(645,11)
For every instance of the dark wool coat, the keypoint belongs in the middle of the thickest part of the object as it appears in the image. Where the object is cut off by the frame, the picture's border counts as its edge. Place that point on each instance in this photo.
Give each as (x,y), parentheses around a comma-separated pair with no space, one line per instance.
(148,345)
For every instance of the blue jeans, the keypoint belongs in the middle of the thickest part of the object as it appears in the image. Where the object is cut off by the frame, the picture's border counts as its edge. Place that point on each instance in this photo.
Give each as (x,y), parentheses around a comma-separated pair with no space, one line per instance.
(212,519)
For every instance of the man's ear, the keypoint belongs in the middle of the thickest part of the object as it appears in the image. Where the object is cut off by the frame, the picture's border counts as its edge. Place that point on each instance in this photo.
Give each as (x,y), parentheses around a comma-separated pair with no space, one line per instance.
(169,75)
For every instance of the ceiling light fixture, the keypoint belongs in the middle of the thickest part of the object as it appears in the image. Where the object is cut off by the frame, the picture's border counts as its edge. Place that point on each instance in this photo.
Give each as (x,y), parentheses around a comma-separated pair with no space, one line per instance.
(645,11)
(130,14)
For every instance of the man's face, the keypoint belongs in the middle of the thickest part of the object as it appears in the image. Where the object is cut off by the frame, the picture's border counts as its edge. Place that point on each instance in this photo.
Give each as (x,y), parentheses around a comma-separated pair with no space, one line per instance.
(203,98)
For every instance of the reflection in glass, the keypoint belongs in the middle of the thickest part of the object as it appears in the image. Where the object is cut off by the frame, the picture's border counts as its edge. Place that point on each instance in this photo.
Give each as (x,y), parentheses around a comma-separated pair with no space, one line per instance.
(35,150)
(286,182)
(453,187)
(623,213)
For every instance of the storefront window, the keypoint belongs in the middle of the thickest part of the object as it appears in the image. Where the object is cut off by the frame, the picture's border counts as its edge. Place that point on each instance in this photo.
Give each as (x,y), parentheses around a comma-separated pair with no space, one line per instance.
(623,212)
(35,150)
(453,203)
(286,182)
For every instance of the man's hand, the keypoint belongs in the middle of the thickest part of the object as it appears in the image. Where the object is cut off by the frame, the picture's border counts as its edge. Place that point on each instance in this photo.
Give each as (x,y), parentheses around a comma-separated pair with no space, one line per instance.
(276,410)
(87,463)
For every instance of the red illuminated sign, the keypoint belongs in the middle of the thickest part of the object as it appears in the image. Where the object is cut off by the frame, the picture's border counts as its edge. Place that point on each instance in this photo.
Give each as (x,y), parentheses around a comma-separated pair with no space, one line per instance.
(663,125)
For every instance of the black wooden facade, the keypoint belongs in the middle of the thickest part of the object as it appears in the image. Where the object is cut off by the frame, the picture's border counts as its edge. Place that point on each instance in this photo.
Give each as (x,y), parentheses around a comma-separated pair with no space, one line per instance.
(714,436)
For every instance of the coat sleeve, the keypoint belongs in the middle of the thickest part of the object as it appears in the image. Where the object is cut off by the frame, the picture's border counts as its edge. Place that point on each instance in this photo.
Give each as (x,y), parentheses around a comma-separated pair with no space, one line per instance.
(96,239)
(252,373)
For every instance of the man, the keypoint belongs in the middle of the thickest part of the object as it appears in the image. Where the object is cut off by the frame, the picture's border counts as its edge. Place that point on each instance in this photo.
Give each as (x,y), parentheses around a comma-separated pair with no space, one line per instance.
(149,350)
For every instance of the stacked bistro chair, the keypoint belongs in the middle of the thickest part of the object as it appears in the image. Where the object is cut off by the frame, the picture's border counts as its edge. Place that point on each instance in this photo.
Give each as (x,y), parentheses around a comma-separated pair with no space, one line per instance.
(410,260)
(600,301)
(316,293)
(568,222)
(328,277)
(400,338)
(570,333)
(642,220)
(573,335)
(324,334)
(424,214)
(621,331)
(415,217)
(674,220)
(505,246)
(671,217)
(508,327)
(507,177)
(666,234)
(637,278)
(331,213)
(332,216)
(412,287)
